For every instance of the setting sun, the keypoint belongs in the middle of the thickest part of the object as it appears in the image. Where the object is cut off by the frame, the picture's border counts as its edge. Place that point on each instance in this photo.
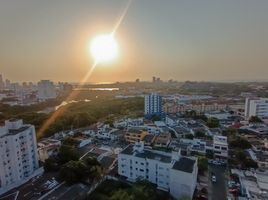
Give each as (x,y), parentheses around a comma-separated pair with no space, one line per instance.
(104,48)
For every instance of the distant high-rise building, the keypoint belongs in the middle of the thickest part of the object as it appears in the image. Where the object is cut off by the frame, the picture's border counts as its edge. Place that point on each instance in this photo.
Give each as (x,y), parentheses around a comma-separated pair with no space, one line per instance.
(2,84)
(46,90)
(256,107)
(154,79)
(152,105)
(8,84)
(19,158)
(137,80)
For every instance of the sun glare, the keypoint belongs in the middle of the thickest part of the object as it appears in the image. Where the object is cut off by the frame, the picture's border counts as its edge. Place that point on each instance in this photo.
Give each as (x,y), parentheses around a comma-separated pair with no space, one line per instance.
(104,48)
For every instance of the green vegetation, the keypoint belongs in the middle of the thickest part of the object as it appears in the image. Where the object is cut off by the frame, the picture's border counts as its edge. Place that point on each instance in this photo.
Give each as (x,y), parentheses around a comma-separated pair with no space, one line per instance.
(213,122)
(192,114)
(202,164)
(255,119)
(80,171)
(74,115)
(115,190)
(200,134)
(239,143)
(229,132)
(243,160)
(67,152)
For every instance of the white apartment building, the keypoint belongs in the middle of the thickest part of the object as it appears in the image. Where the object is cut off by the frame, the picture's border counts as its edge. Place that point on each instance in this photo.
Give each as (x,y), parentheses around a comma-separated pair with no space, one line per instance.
(220,146)
(152,105)
(169,171)
(18,153)
(256,107)
(46,90)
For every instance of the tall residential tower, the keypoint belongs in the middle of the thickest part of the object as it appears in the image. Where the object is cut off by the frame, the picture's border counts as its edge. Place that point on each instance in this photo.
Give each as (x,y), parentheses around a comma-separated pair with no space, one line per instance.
(18,153)
(152,105)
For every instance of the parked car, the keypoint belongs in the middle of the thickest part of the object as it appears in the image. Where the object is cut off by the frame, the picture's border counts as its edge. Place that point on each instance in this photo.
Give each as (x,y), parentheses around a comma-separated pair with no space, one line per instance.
(213,179)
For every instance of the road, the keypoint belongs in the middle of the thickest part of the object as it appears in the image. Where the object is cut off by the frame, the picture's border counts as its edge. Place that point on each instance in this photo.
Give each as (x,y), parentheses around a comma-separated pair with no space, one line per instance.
(217,191)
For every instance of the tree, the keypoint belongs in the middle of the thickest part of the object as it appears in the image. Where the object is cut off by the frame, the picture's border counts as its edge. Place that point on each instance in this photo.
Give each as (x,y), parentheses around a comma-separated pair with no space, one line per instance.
(200,134)
(156,117)
(67,153)
(229,132)
(73,172)
(255,119)
(69,141)
(121,195)
(240,155)
(202,164)
(249,163)
(240,143)
(213,122)
(190,114)
(81,170)
(51,164)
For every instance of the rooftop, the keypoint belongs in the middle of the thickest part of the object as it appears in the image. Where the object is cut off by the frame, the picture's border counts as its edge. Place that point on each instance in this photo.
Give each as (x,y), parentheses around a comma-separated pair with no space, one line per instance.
(16,131)
(149,154)
(184,164)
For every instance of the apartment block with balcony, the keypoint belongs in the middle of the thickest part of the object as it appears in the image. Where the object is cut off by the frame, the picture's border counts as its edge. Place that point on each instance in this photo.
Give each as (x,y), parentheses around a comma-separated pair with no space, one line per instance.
(18,152)
(169,171)
(256,107)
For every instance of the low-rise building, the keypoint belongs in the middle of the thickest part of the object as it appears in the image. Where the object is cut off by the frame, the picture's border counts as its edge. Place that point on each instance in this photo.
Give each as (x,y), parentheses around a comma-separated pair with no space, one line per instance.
(162,140)
(47,148)
(134,135)
(169,171)
(220,146)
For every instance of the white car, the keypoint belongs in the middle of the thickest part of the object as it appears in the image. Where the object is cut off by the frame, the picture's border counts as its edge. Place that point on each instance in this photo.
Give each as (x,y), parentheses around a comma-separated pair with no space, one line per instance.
(213,179)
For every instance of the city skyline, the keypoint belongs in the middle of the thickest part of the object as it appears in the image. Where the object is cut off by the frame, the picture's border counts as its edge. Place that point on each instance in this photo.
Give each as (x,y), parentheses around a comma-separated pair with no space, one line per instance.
(179,40)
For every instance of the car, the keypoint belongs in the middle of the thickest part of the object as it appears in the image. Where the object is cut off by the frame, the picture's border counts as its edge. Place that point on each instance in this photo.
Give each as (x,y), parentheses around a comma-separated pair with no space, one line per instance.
(213,179)
(215,162)
(210,161)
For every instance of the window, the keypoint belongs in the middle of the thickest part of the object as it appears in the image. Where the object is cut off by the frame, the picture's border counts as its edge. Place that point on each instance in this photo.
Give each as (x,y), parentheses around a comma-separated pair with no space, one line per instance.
(142,170)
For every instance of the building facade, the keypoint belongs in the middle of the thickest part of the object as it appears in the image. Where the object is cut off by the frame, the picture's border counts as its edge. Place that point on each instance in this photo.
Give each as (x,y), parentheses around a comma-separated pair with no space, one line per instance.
(133,135)
(169,171)
(18,151)
(220,146)
(152,105)
(256,107)
(46,90)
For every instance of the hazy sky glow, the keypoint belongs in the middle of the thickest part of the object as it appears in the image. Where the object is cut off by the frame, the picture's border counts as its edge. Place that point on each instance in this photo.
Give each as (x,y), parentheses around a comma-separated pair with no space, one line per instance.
(179,39)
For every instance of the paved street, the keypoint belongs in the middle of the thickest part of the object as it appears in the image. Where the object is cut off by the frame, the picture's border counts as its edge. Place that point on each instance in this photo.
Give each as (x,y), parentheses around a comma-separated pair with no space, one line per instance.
(218,189)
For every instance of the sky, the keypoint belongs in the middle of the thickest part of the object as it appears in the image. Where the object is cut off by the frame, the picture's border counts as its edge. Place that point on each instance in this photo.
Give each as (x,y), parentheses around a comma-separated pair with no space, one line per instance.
(208,40)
